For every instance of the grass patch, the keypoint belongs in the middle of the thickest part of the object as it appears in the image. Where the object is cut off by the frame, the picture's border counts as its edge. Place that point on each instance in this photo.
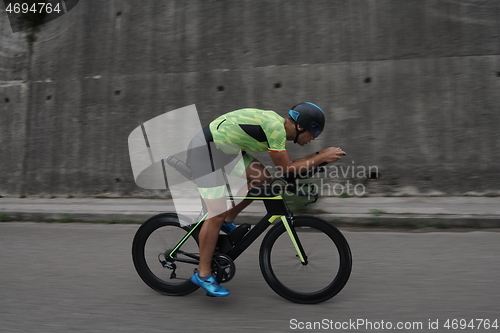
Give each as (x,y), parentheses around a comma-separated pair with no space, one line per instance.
(377,212)
(64,220)
(112,221)
(5,218)
(122,222)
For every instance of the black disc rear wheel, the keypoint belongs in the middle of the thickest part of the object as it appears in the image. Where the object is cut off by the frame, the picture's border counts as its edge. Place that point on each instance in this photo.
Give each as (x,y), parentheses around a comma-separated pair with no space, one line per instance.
(153,242)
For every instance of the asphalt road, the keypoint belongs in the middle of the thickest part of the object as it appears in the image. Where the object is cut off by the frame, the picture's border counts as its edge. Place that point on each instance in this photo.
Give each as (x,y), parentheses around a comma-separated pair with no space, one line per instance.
(80,278)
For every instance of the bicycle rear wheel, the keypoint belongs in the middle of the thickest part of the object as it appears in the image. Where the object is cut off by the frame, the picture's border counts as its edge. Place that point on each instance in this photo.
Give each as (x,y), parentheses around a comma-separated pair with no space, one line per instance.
(328,265)
(153,242)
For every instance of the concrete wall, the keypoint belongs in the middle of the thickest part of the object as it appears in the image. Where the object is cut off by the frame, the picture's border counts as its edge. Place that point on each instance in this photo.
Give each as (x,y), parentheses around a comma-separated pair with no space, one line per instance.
(411,87)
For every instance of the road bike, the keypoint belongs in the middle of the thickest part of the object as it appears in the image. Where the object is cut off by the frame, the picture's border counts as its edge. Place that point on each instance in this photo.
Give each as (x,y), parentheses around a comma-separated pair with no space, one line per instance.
(303,258)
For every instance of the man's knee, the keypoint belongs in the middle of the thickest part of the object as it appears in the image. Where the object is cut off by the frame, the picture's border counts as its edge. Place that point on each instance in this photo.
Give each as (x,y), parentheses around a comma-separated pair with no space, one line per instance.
(259,182)
(262,179)
(216,219)
(259,175)
(217,208)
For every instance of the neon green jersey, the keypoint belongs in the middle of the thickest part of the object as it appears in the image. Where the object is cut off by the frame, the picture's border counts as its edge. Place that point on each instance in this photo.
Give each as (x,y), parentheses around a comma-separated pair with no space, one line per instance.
(249,129)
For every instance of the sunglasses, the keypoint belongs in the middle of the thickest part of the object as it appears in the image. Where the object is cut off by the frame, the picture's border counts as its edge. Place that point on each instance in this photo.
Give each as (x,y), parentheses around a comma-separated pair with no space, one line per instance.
(315,129)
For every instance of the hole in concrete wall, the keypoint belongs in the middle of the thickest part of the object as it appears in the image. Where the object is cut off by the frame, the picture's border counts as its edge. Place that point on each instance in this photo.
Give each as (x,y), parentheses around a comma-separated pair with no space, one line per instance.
(220,88)
(7,100)
(368,80)
(374,175)
(118,92)
(118,180)
(48,98)
(498,74)
(118,13)
(277,85)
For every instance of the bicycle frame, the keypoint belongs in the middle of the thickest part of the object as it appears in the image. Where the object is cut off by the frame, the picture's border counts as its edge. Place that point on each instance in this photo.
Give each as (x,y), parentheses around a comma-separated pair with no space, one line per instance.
(276,209)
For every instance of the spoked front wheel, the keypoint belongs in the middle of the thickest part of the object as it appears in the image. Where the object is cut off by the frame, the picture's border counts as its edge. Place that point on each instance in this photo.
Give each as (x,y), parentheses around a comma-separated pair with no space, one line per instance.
(326,270)
(154,241)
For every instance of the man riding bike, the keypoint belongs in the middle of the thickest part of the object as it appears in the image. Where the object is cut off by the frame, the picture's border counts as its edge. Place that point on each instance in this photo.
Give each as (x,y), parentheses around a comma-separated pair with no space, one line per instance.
(215,151)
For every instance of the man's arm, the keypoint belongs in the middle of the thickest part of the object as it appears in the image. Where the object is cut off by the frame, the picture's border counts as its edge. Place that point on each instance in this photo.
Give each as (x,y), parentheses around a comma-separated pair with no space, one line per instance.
(285,164)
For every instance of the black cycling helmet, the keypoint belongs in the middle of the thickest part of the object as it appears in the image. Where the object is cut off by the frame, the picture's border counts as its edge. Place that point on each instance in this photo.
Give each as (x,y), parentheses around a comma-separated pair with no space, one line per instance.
(309,116)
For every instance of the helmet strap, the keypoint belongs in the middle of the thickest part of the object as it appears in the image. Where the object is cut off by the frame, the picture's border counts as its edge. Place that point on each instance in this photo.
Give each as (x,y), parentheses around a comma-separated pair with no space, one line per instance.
(297,133)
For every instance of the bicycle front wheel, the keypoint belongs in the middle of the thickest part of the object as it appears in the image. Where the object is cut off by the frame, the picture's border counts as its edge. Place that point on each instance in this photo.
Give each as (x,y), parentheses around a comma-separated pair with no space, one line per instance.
(154,242)
(328,266)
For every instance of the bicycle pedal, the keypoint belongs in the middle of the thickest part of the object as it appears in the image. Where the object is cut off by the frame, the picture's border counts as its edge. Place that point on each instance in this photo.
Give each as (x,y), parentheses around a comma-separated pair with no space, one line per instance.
(210,295)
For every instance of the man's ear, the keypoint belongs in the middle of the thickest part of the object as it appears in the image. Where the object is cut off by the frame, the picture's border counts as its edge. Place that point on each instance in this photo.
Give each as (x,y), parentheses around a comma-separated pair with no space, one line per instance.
(300,128)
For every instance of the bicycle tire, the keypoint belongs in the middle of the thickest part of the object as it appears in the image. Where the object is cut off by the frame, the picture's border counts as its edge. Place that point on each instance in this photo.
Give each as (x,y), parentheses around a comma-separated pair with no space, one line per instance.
(150,242)
(281,266)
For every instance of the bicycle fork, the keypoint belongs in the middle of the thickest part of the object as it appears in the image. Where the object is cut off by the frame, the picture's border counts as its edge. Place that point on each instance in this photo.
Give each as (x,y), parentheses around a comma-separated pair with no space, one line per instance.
(288,223)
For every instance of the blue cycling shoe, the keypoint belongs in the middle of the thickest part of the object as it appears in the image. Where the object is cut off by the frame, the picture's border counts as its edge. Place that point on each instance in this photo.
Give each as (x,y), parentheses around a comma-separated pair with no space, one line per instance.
(210,284)
(228,227)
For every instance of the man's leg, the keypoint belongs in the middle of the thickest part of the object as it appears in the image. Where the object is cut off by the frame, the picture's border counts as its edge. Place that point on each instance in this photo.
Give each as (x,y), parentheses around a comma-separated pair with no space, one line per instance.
(257,175)
(209,233)
(206,162)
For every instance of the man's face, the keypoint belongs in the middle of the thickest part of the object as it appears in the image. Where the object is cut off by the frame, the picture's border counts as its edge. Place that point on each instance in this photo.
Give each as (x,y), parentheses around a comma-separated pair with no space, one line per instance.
(305,137)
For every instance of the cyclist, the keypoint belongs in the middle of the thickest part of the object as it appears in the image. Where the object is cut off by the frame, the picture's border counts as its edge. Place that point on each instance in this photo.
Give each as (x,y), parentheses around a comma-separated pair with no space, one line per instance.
(214,151)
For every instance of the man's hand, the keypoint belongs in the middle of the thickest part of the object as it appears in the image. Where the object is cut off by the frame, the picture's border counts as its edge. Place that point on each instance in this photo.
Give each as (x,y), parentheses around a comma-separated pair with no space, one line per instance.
(332,154)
